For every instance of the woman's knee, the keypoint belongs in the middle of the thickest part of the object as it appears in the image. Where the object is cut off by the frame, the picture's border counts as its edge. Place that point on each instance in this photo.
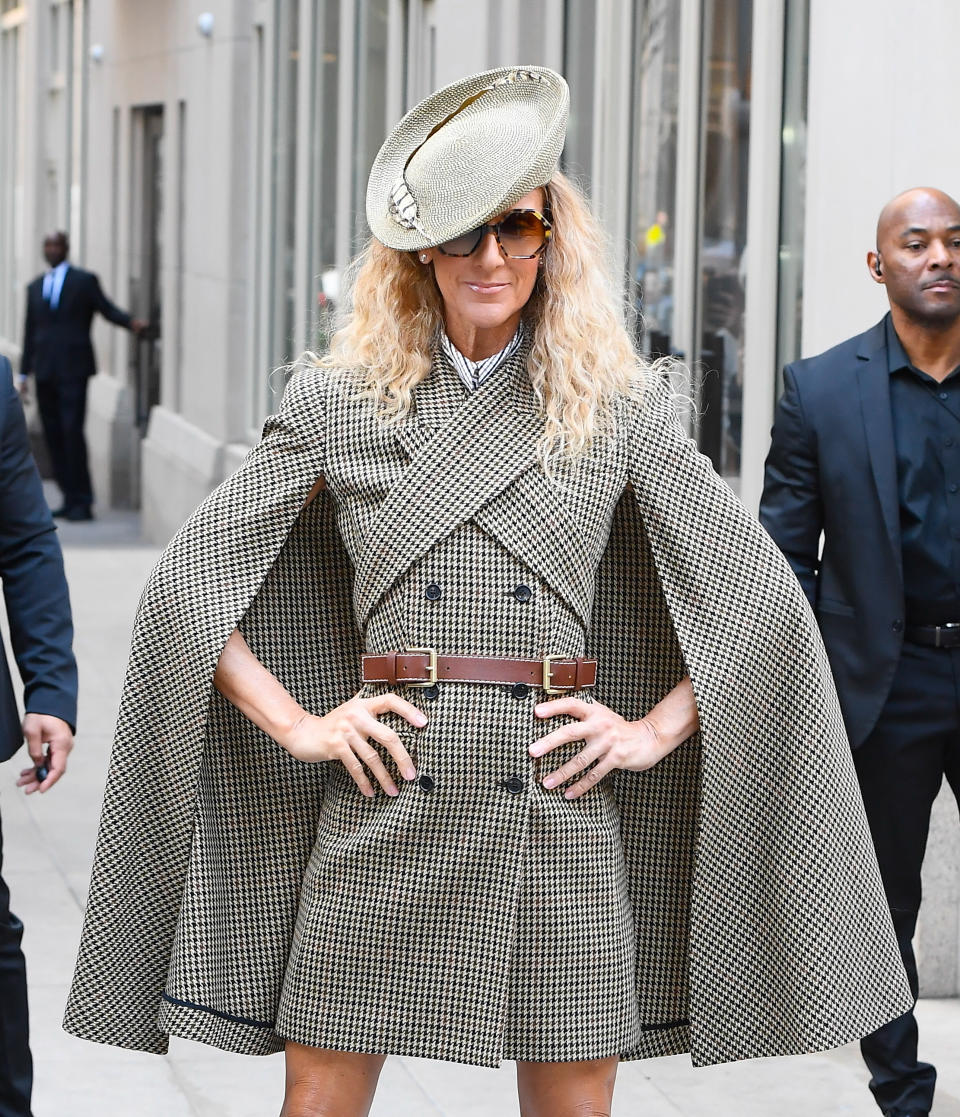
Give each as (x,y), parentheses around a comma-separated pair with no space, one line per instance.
(581,1089)
(322,1083)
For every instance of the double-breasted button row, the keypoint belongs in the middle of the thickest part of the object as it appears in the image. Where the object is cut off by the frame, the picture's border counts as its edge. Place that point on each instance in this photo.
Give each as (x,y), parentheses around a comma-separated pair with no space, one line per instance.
(433,592)
(513,784)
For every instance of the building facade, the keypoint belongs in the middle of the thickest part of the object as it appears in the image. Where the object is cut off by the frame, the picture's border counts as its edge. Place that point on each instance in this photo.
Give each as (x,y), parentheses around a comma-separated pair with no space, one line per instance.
(209,161)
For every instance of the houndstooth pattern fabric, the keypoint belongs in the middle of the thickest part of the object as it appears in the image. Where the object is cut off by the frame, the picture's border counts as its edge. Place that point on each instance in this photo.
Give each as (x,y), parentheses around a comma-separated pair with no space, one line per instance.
(727,902)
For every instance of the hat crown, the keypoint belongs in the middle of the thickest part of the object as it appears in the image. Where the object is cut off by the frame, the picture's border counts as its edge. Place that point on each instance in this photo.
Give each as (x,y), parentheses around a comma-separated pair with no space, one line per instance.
(470,150)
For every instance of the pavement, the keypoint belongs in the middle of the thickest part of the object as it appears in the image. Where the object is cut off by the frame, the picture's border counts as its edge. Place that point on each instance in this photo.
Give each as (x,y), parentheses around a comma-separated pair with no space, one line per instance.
(48,846)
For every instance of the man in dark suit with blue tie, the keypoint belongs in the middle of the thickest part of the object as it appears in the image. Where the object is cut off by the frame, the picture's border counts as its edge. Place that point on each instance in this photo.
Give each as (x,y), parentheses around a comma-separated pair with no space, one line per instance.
(41,632)
(57,350)
(866,451)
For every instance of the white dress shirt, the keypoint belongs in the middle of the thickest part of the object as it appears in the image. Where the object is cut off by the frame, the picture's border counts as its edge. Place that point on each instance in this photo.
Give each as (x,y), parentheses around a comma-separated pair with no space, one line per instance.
(53,284)
(473,373)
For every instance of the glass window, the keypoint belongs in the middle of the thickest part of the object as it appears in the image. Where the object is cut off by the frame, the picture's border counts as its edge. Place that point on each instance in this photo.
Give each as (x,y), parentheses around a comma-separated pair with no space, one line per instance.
(580,37)
(727,30)
(323,280)
(284,182)
(9,176)
(653,182)
(373,17)
(793,181)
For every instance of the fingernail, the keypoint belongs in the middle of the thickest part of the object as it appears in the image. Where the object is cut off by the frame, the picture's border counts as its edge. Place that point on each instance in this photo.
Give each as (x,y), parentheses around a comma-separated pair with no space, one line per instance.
(409,773)
(369,794)
(568,795)
(534,751)
(420,719)
(538,710)
(391,790)
(549,781)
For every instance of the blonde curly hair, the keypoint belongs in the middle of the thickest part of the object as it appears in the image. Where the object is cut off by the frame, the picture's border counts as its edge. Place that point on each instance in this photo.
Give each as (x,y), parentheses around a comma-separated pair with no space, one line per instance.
(581,358)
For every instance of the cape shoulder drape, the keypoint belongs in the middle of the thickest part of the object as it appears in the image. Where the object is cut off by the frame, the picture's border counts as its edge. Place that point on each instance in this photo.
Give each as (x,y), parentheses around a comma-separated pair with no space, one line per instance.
(761,923)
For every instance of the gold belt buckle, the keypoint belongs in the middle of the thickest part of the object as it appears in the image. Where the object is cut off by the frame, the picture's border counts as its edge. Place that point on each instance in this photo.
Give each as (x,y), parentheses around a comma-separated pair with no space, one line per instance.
(548,675)
(431,654)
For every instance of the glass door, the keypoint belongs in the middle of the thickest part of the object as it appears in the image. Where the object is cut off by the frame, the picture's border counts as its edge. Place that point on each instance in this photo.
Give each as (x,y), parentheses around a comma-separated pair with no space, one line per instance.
(725,147)
(653,185)
(147,257)
(690,141)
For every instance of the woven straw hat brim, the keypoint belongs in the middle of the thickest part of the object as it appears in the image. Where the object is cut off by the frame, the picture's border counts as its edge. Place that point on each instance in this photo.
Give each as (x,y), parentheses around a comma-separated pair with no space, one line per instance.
(478,163)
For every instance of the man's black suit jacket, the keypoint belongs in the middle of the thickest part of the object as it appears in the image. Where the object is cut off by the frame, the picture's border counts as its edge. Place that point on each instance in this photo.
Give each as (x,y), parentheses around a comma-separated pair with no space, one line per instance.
(34,586)
(56,343)
(832,469)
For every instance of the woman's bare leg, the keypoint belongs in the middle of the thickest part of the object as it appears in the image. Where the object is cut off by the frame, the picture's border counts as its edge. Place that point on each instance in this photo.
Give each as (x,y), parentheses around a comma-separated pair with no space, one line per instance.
(567,1089)
(324,1083)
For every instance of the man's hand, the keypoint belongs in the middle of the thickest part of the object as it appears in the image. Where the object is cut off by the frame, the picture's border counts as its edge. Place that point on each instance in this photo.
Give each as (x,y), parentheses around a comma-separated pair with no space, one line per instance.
(139,326)
(49,741)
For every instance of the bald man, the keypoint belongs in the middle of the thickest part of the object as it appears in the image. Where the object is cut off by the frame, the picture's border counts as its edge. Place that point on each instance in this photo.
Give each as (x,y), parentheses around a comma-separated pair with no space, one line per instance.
(866,452)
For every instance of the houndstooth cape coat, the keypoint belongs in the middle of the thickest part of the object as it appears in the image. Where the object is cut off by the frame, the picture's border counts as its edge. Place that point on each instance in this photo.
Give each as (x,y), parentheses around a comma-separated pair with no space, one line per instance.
(759,923)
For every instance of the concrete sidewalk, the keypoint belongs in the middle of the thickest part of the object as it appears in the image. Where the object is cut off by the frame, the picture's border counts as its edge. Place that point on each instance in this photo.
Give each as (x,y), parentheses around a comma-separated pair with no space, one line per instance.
(48,844)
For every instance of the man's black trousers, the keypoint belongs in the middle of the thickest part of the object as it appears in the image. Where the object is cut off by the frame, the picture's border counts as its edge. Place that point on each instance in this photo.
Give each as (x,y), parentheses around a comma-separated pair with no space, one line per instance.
(16,1068)
(901,767)
(63,408)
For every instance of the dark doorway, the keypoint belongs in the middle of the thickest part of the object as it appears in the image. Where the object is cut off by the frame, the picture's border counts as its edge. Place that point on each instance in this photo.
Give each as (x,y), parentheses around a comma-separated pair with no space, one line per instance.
(147,256)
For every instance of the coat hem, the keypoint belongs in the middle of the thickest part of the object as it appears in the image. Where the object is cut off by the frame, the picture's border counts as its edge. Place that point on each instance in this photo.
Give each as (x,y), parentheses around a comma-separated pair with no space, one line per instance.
(229,1017)
(713,1053)
(216,1028)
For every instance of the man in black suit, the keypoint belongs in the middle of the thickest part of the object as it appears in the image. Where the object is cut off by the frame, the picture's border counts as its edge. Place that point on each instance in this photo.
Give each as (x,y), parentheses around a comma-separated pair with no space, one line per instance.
(41,631)
(57,350)
(866,451)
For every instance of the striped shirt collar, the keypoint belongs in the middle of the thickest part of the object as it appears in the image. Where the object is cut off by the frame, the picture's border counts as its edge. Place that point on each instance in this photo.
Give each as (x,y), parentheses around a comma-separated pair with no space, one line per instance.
(474,373)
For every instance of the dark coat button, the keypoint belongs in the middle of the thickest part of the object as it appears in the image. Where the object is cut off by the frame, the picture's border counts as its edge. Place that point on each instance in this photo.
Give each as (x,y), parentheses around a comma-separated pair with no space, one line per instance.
(430,692)
(514,785)
(426,783)
(519,690)
(897,626)
(523,594)
(433,592)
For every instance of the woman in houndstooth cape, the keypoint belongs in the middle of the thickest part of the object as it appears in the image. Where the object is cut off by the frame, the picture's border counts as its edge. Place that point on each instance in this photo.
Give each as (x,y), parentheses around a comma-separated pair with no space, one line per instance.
(473,718)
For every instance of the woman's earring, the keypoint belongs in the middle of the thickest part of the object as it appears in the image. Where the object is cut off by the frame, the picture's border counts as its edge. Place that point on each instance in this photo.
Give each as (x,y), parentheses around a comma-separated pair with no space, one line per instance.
(424,258)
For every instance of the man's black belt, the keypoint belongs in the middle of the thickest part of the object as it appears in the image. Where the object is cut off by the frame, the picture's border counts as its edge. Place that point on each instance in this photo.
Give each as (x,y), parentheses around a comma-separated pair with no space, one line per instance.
(934,635)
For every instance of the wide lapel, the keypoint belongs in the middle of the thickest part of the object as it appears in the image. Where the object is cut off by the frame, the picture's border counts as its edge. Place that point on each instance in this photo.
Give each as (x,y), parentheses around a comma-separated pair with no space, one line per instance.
(545,537)
(474,457)
(873,381)
(455,469)
(436,401)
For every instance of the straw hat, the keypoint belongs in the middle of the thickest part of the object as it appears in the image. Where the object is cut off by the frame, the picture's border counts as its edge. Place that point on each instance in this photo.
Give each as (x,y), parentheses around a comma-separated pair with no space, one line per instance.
(469,151)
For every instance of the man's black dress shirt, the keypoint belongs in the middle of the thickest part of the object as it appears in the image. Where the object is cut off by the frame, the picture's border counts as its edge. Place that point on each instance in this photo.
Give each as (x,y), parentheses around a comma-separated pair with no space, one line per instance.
(926,430)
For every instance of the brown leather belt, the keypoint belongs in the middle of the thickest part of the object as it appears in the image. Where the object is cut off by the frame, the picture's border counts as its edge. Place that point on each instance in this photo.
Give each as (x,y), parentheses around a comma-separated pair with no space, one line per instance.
(423,667)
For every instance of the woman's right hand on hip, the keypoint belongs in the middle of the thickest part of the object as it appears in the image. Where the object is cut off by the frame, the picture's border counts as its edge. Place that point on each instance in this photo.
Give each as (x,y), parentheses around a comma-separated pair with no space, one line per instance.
(345,735)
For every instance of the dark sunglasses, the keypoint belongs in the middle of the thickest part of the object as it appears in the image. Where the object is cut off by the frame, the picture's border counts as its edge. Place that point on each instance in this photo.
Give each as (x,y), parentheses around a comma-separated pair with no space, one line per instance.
(521,235)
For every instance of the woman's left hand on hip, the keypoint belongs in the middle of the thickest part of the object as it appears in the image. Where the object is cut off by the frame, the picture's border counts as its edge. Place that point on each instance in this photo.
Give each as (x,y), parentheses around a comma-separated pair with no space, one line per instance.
(610,742)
